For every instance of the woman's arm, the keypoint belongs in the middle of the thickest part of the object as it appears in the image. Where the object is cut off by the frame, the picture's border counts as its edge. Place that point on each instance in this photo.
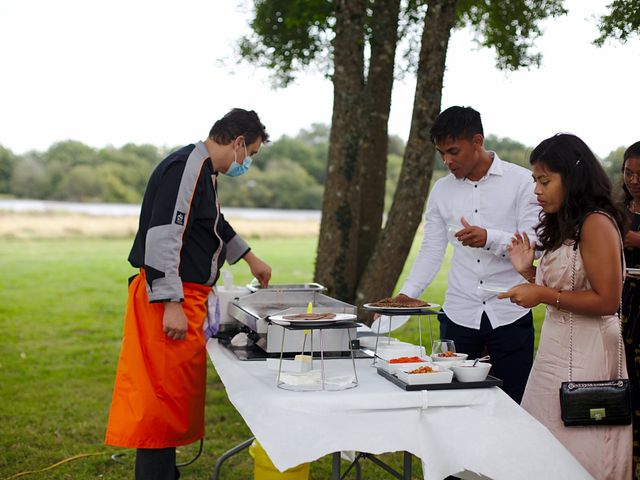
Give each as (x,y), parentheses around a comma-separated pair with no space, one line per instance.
(601,254)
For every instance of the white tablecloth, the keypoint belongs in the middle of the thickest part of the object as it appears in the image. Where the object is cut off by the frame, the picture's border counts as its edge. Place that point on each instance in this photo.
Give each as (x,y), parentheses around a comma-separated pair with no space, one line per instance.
(479,430)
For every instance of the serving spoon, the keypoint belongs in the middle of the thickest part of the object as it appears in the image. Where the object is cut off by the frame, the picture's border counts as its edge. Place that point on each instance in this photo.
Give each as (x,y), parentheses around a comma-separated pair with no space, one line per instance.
(481,359)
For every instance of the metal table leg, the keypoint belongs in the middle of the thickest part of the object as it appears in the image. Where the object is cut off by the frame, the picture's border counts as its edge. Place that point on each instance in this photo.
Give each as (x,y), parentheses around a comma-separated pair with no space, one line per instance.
(229,453)
(335,466)
(407,466)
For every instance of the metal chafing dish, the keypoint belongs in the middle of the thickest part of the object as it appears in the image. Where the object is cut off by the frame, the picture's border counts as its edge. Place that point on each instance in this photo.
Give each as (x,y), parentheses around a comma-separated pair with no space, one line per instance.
(254,309)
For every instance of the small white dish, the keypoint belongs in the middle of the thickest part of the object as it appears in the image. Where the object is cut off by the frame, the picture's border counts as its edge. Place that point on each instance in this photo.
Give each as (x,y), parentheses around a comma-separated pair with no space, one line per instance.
(392,368)
(493,288)
(633,271)
(453,229)
(439,375)
(466,372)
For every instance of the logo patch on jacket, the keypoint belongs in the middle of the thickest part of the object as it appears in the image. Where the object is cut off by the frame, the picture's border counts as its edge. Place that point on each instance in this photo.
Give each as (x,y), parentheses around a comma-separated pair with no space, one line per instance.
(180,218)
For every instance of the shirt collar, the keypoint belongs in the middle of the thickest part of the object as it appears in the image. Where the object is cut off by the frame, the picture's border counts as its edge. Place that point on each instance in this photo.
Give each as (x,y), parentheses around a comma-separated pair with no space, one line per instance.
(496,167)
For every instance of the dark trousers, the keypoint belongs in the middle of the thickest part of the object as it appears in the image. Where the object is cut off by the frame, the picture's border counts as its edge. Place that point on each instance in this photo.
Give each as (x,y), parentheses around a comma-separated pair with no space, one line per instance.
(510,347)
(156,464)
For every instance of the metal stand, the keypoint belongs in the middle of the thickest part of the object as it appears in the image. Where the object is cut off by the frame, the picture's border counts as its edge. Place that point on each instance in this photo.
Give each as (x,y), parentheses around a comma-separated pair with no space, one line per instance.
(419,314)
(335,463)
(404,475)
(228,454)
(320,327)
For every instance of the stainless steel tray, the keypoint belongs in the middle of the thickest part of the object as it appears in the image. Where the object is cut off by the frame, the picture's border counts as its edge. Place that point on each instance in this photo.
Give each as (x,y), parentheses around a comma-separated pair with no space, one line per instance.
(289,287)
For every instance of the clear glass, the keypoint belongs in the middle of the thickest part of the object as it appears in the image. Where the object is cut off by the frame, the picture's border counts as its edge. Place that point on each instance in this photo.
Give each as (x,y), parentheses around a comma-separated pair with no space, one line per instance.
(438,347)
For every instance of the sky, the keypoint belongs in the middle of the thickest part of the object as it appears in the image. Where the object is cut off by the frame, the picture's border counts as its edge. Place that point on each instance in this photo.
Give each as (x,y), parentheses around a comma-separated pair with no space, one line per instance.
(161,72)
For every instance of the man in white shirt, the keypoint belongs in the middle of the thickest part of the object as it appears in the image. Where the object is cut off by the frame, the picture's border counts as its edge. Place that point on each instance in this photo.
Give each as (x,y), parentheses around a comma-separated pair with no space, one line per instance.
(477,208)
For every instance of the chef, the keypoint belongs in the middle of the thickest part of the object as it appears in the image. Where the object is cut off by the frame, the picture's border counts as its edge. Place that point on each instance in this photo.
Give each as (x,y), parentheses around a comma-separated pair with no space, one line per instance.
(182,242)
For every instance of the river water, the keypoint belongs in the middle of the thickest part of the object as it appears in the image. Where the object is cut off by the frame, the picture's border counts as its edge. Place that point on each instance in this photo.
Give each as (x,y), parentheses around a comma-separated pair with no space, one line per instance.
(124,210)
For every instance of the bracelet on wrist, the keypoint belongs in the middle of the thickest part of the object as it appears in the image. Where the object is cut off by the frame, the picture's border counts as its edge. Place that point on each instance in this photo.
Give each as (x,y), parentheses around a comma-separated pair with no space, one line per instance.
(558,299)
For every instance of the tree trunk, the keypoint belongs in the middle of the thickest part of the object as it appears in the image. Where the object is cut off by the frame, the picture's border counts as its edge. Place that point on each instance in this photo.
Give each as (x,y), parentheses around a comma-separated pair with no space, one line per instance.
(373,153)
(336,262)
(392,248)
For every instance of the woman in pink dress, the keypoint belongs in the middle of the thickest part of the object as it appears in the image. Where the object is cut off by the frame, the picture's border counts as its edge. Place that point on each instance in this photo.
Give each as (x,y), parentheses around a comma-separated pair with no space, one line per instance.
(580,228)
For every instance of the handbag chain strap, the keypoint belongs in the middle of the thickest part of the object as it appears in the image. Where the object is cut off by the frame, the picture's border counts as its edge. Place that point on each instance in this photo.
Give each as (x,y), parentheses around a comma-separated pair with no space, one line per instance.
(573,283)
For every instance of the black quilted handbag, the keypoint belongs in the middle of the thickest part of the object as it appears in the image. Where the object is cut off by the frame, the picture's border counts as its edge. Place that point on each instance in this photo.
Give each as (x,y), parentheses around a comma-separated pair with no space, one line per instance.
(604,402)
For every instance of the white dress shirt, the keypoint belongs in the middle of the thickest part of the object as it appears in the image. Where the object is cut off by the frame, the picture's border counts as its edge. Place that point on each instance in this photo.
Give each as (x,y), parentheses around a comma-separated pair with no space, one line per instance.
(502,202)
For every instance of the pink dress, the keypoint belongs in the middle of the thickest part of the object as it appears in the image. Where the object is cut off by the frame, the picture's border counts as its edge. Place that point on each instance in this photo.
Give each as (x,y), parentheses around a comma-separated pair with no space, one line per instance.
(604,451)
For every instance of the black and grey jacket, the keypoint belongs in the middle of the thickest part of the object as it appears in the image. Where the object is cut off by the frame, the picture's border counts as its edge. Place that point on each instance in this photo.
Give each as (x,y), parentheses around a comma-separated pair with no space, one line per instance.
(183,236)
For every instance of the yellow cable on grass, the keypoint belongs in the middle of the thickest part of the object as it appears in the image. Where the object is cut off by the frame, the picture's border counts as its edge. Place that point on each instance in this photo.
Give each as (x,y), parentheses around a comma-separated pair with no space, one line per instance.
(75,457)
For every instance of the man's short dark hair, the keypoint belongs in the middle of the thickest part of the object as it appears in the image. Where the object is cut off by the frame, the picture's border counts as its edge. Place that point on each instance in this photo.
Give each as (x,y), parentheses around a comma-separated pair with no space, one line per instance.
(456,123)
(238,122)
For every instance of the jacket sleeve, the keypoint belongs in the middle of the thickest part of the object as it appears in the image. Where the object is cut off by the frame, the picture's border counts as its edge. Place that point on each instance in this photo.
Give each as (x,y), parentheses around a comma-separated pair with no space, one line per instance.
(164,238)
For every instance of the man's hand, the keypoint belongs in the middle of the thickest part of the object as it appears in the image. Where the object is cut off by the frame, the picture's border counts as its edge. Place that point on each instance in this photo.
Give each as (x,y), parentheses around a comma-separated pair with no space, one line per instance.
(471,235)
(174,321)
(260,270)
(632,239)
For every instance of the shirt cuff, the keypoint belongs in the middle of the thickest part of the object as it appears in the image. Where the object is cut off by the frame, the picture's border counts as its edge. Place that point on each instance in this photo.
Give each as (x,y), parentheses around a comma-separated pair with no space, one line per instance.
(497,242)
(165,289)
(236,249)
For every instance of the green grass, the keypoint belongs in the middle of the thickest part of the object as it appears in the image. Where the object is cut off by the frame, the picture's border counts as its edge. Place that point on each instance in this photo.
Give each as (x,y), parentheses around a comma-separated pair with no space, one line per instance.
(61,313)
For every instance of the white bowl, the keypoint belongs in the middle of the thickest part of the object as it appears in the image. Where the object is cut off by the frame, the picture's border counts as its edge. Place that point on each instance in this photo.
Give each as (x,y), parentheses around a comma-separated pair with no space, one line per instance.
(449,363)
(439,375)
(458,358)
(466,372)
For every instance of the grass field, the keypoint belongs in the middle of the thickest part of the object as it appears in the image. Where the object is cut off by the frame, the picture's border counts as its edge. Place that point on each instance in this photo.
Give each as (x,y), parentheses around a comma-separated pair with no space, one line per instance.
(61,310)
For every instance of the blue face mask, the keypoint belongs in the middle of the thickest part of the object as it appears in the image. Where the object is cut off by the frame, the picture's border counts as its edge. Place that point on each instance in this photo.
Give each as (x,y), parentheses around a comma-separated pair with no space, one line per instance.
(236,169)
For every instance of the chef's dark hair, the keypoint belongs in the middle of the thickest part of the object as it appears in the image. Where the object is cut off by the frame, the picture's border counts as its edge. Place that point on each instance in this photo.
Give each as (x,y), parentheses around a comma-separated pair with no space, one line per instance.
(587,189)
(238,122)
(456,123)
(632,152)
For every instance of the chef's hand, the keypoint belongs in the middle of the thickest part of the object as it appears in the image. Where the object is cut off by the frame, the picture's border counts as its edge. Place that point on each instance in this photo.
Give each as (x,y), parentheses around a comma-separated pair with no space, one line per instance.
(526,295)
(174,321)
(471,235)
(260,270)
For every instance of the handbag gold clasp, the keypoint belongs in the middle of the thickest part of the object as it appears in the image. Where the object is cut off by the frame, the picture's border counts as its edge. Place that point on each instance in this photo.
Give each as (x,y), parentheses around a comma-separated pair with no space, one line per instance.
(597,413)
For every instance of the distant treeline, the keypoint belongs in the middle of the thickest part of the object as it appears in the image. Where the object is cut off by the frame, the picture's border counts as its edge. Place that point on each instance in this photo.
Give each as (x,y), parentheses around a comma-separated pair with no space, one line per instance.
(289,173)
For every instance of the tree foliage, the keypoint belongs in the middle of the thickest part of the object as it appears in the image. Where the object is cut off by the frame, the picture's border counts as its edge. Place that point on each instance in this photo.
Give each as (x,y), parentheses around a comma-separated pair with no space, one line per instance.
(289,173)
(511,28)
(355,42)
(621,23)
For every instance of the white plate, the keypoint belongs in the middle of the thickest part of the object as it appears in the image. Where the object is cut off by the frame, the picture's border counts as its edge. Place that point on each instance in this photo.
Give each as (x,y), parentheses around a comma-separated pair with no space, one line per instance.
(633,271)
(400,309)
(339,317)
(388,323)
(399,349)
(493,288)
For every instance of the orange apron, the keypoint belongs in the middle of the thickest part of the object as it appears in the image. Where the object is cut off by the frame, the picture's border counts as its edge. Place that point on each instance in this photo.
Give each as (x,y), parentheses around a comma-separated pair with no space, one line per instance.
(159,393)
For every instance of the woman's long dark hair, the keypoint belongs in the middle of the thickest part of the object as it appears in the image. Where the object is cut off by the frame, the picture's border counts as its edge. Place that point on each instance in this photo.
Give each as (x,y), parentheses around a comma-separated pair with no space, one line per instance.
(586,189)
(632,152)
